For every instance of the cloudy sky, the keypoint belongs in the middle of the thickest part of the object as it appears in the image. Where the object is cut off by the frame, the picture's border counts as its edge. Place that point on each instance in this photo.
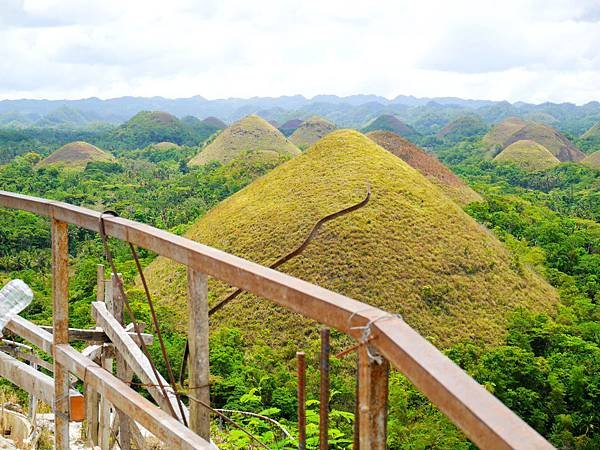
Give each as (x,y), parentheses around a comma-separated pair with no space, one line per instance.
(528,50)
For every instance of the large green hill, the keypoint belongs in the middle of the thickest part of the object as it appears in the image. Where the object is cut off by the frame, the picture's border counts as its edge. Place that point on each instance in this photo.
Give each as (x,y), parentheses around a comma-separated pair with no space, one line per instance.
(463,127)
(250,134)
(151,127)
(410,250)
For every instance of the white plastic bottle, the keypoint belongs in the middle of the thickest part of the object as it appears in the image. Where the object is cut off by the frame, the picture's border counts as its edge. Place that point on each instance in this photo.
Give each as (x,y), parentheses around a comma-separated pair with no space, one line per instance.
(15,296)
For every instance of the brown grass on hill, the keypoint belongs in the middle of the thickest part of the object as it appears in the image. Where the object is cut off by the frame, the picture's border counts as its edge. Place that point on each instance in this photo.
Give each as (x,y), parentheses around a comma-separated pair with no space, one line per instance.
(501,132)
(410,250)
(75,155)
(162,117)
(427,164)
(290,126)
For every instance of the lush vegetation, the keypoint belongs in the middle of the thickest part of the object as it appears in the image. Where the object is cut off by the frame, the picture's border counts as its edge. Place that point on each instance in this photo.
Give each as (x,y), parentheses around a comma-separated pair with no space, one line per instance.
(544,365)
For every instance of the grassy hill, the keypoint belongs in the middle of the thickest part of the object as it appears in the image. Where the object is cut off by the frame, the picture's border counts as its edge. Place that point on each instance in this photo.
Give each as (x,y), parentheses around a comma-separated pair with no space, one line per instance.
(410,250)
(528,155)
(310,131)
(75,155)
(250,134)
(388,122)
(151,127)
(512,130)
(592,160)
(426,164)
(463,127)
(290,126)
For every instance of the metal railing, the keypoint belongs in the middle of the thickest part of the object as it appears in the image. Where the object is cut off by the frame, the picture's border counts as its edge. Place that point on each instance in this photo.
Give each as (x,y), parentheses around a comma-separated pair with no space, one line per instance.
(482,417)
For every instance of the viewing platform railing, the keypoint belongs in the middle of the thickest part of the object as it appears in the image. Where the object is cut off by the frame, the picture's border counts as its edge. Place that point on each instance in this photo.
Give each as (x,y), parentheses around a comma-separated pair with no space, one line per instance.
(482,417)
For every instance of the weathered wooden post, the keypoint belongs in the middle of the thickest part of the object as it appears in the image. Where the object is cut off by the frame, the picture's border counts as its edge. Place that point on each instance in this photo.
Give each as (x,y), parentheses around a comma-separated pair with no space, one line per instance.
(123,371)
(372,401)
(60,325)
(199,370)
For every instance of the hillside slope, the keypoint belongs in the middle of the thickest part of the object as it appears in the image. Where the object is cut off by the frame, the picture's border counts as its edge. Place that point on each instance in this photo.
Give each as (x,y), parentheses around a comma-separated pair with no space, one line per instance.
(310,131)
(592,160)
(528,155)
(410,250)
(75,155)
(290,126)
(427,165)
(250,134)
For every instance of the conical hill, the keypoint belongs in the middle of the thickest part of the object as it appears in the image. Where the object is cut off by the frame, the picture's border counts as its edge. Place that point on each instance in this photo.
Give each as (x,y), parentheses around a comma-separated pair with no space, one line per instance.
(75,155)
(250,134)
(310,131)
(528,155)
(427,164)
(410,250)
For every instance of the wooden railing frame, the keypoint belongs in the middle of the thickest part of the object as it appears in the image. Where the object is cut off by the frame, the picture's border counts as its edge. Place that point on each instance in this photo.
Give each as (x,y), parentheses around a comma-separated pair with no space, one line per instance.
(481,416)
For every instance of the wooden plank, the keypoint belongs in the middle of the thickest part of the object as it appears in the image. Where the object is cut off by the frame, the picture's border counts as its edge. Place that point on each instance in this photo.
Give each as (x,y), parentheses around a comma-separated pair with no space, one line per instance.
(27,356)
(372,401)
(38,384)
(123,372)
(98,336)
(165,427)
(135,358)
(60,323)
(199,377)
(33,333)
(483,418)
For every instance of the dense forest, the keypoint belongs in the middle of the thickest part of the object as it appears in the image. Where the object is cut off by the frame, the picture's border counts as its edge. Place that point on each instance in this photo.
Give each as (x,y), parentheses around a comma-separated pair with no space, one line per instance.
(547,369)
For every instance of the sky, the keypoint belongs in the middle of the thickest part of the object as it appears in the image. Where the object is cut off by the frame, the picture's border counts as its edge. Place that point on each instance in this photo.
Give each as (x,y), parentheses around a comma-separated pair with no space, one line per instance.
(515,50)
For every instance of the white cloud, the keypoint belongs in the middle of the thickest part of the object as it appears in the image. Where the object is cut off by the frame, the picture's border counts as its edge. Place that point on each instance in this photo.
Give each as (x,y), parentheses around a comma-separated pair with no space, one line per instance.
(532,50)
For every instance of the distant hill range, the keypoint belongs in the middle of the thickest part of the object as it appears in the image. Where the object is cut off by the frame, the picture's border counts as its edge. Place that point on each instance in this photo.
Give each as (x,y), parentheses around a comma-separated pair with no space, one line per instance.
(426,115)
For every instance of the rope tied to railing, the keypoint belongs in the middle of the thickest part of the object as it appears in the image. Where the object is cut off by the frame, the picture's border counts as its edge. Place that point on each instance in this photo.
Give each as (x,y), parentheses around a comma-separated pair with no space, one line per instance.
(367,334)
